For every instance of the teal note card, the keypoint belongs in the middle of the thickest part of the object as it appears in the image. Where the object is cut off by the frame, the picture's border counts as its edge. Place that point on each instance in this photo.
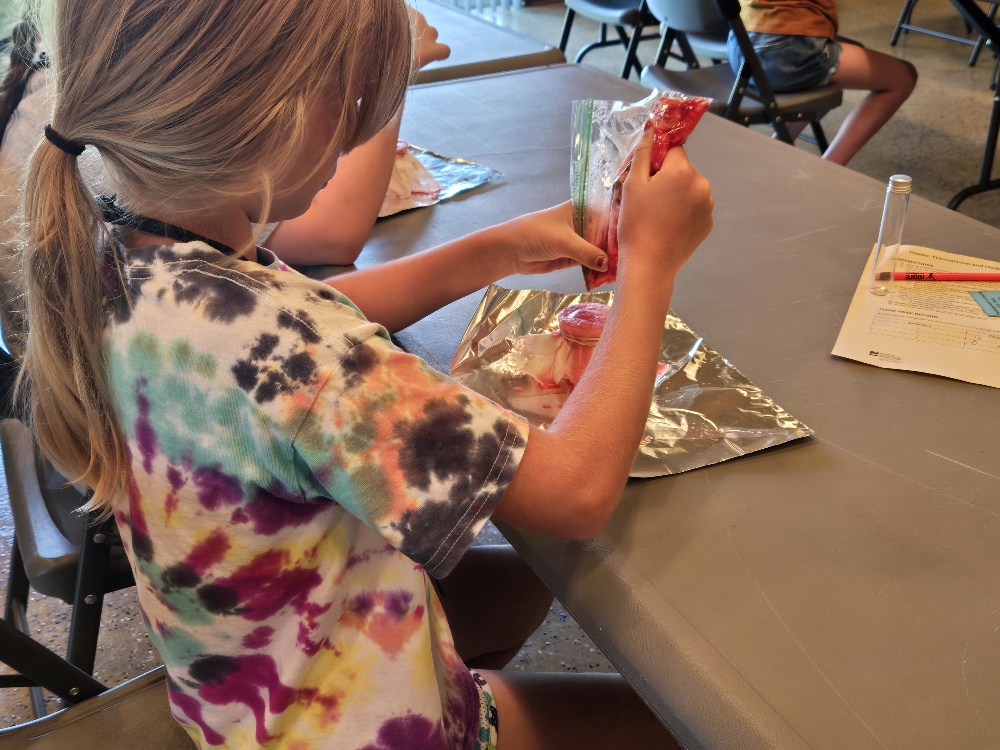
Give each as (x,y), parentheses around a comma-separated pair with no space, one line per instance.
(989,301)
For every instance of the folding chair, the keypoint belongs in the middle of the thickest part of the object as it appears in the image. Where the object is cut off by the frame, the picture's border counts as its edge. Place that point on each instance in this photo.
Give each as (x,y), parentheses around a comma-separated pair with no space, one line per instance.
(56,550)
(986,27)
(710,43)
(733,95)
(621,15)
(135,714)
(905,24)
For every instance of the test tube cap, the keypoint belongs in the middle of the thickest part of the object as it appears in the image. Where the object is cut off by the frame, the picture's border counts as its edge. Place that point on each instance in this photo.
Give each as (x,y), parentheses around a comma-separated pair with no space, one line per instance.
(900,183)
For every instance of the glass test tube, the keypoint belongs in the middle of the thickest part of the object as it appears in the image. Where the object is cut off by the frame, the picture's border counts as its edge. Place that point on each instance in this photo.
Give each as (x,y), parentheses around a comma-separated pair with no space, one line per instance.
(897,197)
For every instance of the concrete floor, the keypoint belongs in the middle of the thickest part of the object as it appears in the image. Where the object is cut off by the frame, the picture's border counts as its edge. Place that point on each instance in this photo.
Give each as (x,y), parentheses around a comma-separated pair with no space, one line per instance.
(937,138)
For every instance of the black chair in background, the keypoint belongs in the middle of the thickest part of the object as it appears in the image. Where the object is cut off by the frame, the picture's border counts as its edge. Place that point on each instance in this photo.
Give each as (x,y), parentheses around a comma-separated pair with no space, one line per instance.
(905,24)
(733,95)
(621,15)
(984,24)
(710,43)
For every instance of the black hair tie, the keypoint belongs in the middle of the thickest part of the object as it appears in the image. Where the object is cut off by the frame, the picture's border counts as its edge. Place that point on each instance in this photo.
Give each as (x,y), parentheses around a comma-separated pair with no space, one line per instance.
(63,144)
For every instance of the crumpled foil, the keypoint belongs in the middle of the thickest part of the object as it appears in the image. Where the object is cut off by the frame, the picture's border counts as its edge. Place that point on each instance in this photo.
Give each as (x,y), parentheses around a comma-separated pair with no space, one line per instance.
(706,413)
(452,174)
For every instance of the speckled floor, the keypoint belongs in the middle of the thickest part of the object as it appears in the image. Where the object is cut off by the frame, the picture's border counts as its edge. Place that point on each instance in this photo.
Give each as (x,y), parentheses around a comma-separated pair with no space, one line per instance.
(937,138)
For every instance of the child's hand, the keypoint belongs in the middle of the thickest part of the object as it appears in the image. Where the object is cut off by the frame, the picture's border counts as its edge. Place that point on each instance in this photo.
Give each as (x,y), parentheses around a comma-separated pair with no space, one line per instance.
(664,217)
(426,47)
(545,241)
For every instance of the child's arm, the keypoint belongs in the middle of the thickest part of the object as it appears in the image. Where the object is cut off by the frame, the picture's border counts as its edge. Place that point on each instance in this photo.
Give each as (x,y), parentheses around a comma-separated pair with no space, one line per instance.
(341,216)
(401,292)
(570,478)
(334,229)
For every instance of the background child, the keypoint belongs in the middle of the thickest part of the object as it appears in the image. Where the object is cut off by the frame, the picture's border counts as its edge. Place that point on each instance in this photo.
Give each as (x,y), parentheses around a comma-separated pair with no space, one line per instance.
(284,479)
(798,47)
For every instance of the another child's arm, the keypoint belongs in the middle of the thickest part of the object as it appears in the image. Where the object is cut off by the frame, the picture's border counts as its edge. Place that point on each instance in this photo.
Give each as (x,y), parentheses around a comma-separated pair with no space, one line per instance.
(334,229)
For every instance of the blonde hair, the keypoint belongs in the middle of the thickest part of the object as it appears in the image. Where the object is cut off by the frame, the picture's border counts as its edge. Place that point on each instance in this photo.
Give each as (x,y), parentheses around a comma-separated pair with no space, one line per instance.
(188,103)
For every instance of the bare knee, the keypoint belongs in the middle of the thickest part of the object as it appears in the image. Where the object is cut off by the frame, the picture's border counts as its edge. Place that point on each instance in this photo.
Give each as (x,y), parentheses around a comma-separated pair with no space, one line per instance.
(909,77)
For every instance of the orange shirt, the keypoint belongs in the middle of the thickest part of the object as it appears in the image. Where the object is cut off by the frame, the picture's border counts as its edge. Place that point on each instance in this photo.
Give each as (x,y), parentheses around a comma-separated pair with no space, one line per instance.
(791,17)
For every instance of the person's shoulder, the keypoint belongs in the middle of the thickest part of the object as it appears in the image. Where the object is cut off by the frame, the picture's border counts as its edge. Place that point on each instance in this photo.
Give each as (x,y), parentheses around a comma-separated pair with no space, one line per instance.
(232,291)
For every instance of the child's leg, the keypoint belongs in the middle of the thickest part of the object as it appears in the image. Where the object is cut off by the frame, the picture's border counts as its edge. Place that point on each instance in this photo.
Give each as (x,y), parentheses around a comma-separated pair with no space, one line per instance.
(890,81)
(493,602)
(592,711)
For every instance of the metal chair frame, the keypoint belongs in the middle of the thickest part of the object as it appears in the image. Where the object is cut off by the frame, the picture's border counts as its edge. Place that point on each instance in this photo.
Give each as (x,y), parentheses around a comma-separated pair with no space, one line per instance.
(80,573)
(905,25)
(629,41)
(987,27)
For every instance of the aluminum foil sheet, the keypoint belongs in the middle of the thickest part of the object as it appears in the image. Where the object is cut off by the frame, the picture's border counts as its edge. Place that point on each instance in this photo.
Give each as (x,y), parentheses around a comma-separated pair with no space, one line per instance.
(454,175)
(705,413)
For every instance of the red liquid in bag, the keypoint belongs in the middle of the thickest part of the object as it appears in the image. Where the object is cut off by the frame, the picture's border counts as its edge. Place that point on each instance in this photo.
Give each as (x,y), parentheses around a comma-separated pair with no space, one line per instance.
(673,119)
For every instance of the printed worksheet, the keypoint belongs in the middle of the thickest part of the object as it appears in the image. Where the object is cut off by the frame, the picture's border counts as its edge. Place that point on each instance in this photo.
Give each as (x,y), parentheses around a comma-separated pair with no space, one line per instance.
(926,326)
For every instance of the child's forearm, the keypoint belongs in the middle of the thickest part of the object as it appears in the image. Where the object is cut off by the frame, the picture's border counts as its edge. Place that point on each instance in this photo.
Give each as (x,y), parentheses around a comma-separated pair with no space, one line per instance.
(401,292)
(335,228)
(571,477)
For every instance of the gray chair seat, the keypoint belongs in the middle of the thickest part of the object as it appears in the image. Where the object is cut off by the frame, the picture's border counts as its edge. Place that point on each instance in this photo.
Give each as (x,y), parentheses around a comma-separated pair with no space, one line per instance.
(716,81)
(620,15)
(134,715)
(56,550)
(48,527)
(611,12)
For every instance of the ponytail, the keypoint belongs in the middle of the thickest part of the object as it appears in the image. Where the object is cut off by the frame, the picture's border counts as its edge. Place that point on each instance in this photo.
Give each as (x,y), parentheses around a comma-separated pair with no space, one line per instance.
(187,103)
(71,409)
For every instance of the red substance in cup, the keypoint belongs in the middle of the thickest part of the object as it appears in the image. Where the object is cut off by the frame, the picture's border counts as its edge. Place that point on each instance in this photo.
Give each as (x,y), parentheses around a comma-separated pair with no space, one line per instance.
(583,322)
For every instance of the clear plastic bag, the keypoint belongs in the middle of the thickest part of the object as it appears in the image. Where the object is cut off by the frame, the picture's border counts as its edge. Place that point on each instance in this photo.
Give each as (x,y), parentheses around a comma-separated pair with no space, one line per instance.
(605,135)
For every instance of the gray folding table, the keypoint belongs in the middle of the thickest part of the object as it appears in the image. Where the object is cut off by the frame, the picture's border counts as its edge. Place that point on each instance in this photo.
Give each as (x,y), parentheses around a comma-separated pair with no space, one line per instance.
(838,592)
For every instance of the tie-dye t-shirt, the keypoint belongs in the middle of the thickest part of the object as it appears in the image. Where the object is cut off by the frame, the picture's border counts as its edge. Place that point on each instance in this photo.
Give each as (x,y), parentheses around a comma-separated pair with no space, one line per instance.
(295,478)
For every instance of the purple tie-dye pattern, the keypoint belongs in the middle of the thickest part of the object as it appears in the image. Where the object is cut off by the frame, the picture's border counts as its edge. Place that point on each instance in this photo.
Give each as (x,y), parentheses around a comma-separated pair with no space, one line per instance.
(145,436)
(306,644)
(177,481)
(216,488)
(176,478)
(208,552)
(397,603)
(243,681)
(269,584)
(270,514)
(191,708)
(410,732)
(259,637)
(310,624)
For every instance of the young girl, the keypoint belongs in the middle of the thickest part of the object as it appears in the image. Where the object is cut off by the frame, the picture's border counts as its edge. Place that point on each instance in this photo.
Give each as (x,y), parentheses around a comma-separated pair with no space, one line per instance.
(284,479)
(798,47)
